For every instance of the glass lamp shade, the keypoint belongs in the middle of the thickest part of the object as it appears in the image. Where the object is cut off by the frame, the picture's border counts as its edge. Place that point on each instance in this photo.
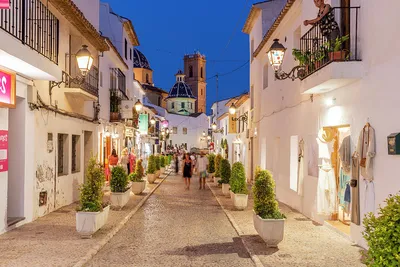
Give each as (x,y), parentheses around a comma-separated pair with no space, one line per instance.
(84,60)
(232,109)
(204,133)
(162,133)
(138,106)
(167,131)
(152,121)
(214,126)
(209,137)
(276,54)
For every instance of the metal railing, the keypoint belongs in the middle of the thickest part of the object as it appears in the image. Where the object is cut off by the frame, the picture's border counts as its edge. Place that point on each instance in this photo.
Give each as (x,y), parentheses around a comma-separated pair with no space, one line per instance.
(90,83)
(321,46)
(31,22)
(118,81)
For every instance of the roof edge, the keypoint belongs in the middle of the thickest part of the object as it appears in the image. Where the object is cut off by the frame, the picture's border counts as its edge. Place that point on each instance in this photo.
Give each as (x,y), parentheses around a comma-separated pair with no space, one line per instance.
(248,25)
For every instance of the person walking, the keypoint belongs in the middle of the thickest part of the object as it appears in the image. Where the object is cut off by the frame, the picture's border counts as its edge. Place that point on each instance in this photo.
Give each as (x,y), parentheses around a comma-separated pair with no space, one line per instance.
(125,160)
(113,159)
(187,170)
(176,161)
(201,167)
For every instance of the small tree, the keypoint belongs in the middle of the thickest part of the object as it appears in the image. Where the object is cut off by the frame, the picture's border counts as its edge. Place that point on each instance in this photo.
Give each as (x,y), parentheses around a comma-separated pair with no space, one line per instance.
(139,169)
(265,204)
(134,177)
(157,161)
(238,179)
(225,171)
(226,148)
(119,180)
(218,159)
(151,166)
(169,159)
(211,163)
(91,192)
(383,234)
(162,161)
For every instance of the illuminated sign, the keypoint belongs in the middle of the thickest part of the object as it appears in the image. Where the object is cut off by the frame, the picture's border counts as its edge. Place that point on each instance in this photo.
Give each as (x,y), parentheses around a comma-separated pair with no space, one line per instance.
(7,89)
(4,4)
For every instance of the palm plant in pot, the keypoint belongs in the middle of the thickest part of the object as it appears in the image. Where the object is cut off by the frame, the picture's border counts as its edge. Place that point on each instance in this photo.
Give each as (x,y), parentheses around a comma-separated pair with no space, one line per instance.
(268,221)
(335,48)
(158,166)
(211,166)
(120,191)
(162,164)
(225,176)
(238,186)
(151,169)
(92,213)
(217,174)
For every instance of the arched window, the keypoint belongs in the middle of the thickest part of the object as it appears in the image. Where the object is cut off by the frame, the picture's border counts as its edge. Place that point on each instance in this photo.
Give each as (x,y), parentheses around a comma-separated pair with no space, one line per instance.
(190,71)
(201,72)
(147,78)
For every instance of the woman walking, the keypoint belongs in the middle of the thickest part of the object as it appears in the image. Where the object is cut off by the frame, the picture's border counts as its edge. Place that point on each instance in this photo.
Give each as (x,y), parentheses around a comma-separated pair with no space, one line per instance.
(187,170)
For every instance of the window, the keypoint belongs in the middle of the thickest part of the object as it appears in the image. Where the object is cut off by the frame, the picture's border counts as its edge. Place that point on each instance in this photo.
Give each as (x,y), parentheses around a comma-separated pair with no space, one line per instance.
(175,130)
(182,104)
(173,105)
(126,49)
(190,71)
(252,96)
(201,72)
(62,154)
(252,49)
(265,75)
(76,153)
(184,130)
(147,78)
(130,54)
(159,101)
(201,91)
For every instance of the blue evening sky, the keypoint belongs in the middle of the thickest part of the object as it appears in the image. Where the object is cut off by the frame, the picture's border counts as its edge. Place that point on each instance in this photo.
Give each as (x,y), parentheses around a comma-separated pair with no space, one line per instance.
(168,29)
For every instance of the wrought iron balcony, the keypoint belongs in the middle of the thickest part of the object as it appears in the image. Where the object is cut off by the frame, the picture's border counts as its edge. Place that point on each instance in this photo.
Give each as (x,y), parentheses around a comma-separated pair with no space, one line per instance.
(31,22)
(317,51)
(88,89)
(118,81)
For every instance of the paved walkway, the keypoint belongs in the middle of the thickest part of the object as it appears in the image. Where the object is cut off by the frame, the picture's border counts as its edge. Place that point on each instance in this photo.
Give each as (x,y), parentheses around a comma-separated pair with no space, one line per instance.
(176,228)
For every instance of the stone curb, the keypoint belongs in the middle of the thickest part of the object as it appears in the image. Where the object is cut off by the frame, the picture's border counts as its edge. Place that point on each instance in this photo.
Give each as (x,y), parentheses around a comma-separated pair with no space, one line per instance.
(94,250)
(256,260)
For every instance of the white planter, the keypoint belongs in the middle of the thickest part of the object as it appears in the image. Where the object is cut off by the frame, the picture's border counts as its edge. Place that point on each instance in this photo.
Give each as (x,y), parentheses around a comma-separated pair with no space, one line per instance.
(158,173)
(162,170)
(271,231)
(216,179)
(240,201)
(225,189)
(138,187)
(87,223)
(119,200)
(151,178)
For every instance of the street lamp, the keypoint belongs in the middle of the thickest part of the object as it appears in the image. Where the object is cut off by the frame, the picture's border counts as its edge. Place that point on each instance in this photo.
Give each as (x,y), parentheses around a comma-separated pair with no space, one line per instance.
(204,133)
(152,121)
(167,131)
(214,126)
(275,55)
(138,106)
(232,109)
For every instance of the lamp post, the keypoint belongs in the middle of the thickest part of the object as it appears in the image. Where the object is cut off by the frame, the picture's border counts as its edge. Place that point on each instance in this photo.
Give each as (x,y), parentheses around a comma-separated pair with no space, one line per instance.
(232,111)
(152,121)
(138,106)
(276,55)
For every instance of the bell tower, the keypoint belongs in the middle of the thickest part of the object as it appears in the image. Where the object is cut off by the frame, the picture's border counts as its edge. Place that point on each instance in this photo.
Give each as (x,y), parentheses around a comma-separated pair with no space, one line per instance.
(195,71)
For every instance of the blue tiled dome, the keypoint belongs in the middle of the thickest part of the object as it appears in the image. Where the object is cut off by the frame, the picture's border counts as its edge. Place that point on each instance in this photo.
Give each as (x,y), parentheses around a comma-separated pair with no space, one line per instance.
(139,60)
(180,88)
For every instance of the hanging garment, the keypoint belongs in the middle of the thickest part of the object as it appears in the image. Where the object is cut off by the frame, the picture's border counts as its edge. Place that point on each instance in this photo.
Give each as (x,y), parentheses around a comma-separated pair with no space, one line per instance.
(343,182)
(355,190)
(300,169)
(345,154)
(366,152)
(369,200)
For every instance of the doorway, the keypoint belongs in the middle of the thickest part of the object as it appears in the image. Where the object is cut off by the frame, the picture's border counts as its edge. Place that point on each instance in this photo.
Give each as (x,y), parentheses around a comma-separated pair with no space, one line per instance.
(87,150)
(16,163)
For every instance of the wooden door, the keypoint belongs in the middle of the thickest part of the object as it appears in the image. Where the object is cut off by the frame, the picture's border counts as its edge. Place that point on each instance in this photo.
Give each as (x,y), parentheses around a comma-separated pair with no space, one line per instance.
(345,21)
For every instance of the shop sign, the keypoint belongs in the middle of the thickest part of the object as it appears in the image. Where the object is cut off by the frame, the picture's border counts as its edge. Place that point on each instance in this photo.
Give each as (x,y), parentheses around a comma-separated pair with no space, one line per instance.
(3,151)
(232,124)
(126,109)
(4,4)
(128,132)
(143,123)
(7,89)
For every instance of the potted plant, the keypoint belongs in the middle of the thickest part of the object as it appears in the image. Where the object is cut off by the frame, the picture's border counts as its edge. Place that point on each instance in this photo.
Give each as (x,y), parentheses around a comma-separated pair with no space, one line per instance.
(158,166)
(92,213)
(217,174)
(151,169)
(226,147)
(225,176)
(238,186)
(115,102)
(268,221)
(211,166)
(162,164)
(139,169)
(120,191)
(335,49)
(382,234)
(303,57)
(138,184)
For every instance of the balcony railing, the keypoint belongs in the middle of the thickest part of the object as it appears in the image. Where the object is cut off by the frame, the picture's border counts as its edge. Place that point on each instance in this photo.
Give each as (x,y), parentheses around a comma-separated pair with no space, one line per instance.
(31,22)
(117,80)
(90,84)
(318,50)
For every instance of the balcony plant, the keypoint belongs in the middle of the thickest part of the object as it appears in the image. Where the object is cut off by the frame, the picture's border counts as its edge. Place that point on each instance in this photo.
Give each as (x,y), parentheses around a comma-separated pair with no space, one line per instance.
(138,184)
(139,169)
(382,233)
(92,212)
(225,176)
(162,164)
(335,49)
(211,166)
(151,169)
(120,191)
(217,174)
(238,186)
(158,166)
(268,220)
(115,102)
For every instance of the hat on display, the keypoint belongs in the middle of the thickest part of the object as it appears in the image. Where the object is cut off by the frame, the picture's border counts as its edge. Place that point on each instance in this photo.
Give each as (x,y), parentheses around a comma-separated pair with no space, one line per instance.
(326,135)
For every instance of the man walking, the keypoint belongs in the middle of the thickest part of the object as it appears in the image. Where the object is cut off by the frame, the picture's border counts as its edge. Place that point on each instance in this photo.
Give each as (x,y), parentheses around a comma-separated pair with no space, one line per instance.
(201,166)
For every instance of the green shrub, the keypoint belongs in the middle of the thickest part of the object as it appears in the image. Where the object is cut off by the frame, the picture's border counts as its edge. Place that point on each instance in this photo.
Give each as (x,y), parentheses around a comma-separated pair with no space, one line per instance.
(151,166)
(238,179)
(225,171)
(169,157)
(157,161)
(119,180)
(139,168)
(135,178)
(162,161)
(91,192)
(218,159)
(265,204)
(211,163)
(383,234)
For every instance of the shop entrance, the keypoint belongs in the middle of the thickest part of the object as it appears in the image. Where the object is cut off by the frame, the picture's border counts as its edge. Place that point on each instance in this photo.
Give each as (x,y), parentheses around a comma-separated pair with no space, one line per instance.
(341,217)
(16,163)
